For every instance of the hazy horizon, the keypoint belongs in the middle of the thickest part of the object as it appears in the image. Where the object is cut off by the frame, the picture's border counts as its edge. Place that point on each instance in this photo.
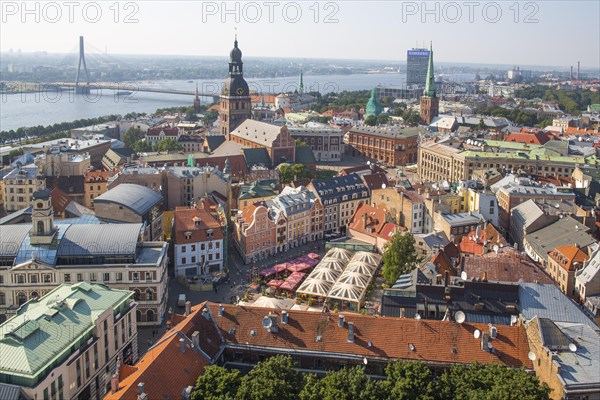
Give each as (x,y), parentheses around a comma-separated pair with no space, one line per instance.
(487,33)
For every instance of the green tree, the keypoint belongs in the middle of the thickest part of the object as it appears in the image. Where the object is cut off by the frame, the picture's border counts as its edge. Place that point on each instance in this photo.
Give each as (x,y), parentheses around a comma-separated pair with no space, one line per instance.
(141,146)
(292,172)
(300,143)
(383,119)
(272,379)
(412,118)
(217,383)
(210,117)
(132,135)
(409,380)
(399,256)
(490,382)
(168,144)
(345,384)
(371,120)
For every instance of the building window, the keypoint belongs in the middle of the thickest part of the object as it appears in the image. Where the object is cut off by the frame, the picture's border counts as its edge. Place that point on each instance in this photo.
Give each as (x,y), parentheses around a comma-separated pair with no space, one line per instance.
(2,299)
(119,276)
(183,249)
(33,279)
(149,295)
(20,279)
(148,276)
(136,295)
(136,276)
(183,260)
(92,276)
(67,278)
(106,277)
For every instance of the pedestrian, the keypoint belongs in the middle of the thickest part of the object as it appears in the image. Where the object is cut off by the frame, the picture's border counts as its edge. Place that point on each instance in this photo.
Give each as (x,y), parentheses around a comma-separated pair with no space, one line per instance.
(153,333)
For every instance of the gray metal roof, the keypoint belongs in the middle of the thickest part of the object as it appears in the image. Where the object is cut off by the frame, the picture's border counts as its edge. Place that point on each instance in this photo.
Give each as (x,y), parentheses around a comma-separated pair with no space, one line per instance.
(138,198)
(11,237)
(547,301)
(563,232)
(10,392)
(102,239)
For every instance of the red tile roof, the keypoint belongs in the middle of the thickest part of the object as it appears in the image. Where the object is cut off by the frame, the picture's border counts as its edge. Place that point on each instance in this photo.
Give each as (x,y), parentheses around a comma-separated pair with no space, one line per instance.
(169,131)
(97,176)
(567,256)
(509,265)
(536,137)
(197,221)
(488,237)
(383,338)
(165,370)
(59,200)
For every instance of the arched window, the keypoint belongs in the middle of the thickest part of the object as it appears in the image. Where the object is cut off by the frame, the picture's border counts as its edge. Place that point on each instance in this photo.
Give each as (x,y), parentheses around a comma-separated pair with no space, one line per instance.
(21,298)
(40,226)
(34,295)
(136,295)
(149,315)
(149,294)
(138,316)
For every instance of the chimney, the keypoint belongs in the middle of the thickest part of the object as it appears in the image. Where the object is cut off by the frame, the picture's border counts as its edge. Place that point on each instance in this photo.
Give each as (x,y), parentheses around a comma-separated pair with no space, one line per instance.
(188,308)
(365,219)
(114,383)
(205,313)
(221,310)
(284,317)
(485,340)
(446,278)
(274,326)
(484,277)
(182,345)
(341,321)
(351,332)
(196,339)
(140,388)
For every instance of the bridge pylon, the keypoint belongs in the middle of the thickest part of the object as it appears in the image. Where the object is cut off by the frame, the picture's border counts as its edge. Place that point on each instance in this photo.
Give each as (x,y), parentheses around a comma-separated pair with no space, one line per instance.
(82,89)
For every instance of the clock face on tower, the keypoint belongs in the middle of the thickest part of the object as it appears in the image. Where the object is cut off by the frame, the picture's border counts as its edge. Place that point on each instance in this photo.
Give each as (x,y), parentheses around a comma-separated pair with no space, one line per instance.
(240,91)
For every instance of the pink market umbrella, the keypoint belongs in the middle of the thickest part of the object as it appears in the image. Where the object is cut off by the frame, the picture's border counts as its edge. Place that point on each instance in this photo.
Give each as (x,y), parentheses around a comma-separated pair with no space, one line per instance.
(267,272)
(299,267)
(280,267)
(293,281)
(314,256)
(276,283)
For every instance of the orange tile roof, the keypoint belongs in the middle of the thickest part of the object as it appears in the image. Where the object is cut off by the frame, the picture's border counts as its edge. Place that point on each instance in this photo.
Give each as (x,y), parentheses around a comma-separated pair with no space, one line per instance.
(59,200)
(97,176)
(259,99)
(437,342)
(566,256)
(509,265)
(165,370)
(580,131)
(196,221)
(442,263)
(368,219)
(489,236)
(536,137)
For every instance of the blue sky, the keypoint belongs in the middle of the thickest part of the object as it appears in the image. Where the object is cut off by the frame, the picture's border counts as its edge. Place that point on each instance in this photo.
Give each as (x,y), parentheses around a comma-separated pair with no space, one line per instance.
(502,32)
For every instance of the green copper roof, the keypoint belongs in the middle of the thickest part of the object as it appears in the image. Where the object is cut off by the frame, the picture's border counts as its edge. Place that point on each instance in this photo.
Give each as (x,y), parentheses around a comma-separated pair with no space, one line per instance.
(374,106)
(430,90)
(43,332)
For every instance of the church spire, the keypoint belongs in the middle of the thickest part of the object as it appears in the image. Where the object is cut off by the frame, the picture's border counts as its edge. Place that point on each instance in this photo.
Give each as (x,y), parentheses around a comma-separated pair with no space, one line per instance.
(301,88)
(430,90)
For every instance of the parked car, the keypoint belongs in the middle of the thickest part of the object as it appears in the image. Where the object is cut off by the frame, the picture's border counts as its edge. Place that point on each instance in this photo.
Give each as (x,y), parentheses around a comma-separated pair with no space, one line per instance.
(181,300)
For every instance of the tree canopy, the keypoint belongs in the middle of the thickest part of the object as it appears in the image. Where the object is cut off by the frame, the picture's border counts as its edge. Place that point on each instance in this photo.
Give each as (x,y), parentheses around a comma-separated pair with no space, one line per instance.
(132,135)
(292,172)
(276,379)
(399,256)
(168,144)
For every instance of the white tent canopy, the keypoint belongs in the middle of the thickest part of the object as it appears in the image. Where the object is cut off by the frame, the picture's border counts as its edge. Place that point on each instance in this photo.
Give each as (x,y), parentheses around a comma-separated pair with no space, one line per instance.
(361,267)
(369,258)
(270,302)
(346,292)
(314,287)
(332,263)
(339,253)
(325,274)
(355,278)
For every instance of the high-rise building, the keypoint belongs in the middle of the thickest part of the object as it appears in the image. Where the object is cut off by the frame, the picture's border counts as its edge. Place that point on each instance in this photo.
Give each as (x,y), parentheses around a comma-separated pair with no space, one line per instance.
(430,104)
(236,104)
(417,61)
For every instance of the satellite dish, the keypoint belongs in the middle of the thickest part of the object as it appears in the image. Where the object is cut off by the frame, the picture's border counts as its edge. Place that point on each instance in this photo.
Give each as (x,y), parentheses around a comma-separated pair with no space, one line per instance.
(463,275)
(383,185)
(490,345)
(267,322)
(417,316)
(368,162)
(573,347)
(513,319)
(365,361)
(460,317)
(477,333)
(531,356)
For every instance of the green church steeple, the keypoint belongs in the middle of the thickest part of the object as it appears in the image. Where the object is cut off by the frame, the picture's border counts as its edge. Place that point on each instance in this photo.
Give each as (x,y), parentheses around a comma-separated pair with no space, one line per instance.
(430,90)
(374,106)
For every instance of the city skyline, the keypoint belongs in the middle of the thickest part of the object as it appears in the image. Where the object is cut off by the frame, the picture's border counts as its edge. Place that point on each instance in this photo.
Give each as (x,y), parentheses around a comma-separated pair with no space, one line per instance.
(316,30)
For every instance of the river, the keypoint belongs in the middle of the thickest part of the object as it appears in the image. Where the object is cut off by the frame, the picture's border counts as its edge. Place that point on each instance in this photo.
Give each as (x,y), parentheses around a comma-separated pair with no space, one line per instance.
(49,107)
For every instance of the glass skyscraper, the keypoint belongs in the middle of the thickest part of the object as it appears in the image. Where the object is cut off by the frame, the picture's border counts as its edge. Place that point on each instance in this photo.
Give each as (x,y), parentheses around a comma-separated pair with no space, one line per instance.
(416,66)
